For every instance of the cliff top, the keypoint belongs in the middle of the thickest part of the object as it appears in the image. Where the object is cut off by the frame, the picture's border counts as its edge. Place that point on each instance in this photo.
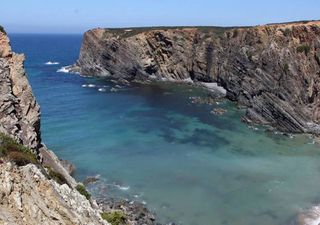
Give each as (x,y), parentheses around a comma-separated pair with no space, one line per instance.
(132,31)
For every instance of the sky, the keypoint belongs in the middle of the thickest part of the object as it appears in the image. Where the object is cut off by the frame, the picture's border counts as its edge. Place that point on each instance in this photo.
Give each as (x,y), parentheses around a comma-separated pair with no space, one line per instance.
(77,16)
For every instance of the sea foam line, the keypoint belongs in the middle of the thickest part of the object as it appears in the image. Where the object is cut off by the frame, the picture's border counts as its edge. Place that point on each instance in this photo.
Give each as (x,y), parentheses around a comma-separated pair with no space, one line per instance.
(52,63)
(63,69)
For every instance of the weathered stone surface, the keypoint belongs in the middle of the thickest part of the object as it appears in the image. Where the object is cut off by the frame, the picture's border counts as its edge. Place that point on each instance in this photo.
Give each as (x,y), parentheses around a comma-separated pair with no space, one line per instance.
(28,197)
(19,111)
(271,70)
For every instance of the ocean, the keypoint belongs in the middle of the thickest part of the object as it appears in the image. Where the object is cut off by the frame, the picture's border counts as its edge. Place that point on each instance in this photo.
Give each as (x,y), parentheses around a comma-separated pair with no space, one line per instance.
(150,143)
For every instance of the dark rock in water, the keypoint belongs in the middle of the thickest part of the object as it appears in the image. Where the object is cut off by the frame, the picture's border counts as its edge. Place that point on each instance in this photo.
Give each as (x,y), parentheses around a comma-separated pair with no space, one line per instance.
(113,90)
(135,212)
(68,166)
(272,71)
(205,100)
(218,111)
(90,180)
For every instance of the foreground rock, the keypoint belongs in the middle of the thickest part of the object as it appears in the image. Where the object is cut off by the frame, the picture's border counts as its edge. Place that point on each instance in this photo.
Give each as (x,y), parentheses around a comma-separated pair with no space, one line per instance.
(272,71)
(29,197)
(29,194)
(19,111)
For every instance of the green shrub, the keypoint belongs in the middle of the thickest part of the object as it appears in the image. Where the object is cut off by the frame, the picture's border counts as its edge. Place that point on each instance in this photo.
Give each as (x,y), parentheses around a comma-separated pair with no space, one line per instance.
(58,177)
(286,67)
(16,152)
(82,190)
(115,218)
(22,158)
(303,48)
(286,32)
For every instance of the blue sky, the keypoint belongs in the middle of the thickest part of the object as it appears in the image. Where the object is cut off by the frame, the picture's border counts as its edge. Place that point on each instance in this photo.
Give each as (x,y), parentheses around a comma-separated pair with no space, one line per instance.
(77,16)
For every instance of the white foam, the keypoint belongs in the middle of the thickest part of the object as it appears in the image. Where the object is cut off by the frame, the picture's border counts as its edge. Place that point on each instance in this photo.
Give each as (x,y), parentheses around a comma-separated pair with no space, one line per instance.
(102,89)
(84,85)
(91,85)
(52,63)
(63,70)
(215,87)
(123,188)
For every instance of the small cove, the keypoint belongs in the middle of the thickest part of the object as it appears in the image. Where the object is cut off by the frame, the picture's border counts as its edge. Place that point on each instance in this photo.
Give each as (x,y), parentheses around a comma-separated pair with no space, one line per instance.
(151,144)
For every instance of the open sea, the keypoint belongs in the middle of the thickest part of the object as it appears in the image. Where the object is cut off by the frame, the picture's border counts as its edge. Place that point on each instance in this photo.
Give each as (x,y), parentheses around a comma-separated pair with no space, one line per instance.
(151,144)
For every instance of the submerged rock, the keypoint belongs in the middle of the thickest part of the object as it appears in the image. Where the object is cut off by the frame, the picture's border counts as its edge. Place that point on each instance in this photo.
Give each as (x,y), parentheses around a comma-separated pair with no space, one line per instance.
(218,111)
(91,180)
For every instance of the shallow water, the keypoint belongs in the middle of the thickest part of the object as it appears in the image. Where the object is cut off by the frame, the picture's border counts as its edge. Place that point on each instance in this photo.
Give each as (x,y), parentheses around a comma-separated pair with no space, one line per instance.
(151,144)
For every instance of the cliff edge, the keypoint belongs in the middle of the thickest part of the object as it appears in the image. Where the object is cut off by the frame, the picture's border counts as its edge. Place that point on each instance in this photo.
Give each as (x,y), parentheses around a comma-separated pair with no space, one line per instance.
(34,186)
(271,70)
(19,111)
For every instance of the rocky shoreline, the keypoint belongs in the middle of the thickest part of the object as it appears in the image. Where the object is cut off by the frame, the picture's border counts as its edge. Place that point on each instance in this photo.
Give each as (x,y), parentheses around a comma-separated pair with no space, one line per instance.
(271,70)
(29,196)
(41,191)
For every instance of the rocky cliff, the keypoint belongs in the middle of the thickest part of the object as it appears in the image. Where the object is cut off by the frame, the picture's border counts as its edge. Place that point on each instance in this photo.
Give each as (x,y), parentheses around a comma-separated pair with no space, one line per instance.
(29,189)
(272,70)
(19,111)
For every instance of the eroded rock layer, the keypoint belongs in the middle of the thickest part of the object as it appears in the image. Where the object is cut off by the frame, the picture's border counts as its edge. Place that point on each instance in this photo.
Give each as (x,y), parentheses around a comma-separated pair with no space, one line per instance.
(19,111)
(273,70)
(28,195)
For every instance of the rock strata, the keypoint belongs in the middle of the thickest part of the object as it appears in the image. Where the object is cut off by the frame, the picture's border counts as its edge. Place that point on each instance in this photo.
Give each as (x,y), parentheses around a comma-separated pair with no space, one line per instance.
(19,111)
(271,70)
(28,195)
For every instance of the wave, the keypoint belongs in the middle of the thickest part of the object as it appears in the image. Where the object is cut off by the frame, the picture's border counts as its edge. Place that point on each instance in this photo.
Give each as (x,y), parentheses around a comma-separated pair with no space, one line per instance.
(102,89)
(63,70)
(52,63)
(91,85)
(123,188)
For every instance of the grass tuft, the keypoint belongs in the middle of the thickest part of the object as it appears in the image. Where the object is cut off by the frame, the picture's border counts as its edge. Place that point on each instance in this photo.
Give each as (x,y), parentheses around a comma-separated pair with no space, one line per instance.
(58,177)
(303,48)
(15,152)
(115,218)
(82,190)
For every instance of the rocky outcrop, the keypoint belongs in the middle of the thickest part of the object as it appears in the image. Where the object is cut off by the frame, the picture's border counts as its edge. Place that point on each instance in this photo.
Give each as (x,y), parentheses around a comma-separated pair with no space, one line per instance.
(29,194)
(28,197)
(19,111)
(272,71)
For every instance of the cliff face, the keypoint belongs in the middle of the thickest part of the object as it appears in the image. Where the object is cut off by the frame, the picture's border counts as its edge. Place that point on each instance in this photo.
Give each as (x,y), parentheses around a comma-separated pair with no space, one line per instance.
(19,111)
(273,70)
(28,195)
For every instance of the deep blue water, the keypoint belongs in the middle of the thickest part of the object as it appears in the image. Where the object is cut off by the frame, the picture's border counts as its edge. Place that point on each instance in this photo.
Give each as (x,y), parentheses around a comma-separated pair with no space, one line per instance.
(150,144)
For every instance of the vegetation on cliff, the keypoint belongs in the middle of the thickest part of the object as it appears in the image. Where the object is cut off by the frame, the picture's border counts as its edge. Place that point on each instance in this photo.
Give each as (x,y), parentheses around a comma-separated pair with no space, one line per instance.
(130,32)
(12,151)
(115,217)
(82,190)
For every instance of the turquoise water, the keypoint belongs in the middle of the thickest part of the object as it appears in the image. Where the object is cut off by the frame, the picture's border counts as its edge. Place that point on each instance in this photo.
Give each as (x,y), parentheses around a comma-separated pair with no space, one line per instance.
(151,144)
